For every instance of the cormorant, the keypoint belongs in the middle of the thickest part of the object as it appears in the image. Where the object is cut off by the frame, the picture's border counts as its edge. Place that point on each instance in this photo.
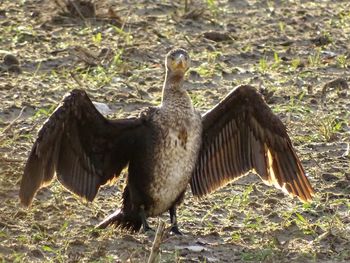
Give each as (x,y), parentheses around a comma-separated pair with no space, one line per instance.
(165,148)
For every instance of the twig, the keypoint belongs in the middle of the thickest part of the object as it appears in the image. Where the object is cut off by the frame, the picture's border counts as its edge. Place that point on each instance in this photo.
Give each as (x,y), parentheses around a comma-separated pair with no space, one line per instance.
(58,3)
(122,28)
(188,41)
(36,71)
(154,256)
(347,151)
(186,6)
(11,160)
(12,122)
(76,79)
(76,7)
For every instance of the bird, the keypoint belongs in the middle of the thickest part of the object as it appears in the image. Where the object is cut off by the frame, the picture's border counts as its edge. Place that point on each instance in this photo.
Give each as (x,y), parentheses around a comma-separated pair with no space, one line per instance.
(166,148)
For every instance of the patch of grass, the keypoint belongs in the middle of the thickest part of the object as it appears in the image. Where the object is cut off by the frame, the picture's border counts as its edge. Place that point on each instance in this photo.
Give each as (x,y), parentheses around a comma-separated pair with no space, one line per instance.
(259,255)
(328,127)
(244,198)
(18,257)
(98,76)
(303,224)
(295,63)
(126,36)
(210,67)
(343,19)
(263,66)
(277,59)
(342,61)
(294,106)
(315,59)
(253,222)
(22,34)
(97,39)
(117,59)
(44,112)
(236,236)
(238,224)
(247,48)
(213,7)
(205,70)
(282,27)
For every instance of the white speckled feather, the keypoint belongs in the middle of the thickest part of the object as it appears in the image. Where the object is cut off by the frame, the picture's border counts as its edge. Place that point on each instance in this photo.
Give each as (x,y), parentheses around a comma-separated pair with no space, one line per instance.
(176,158)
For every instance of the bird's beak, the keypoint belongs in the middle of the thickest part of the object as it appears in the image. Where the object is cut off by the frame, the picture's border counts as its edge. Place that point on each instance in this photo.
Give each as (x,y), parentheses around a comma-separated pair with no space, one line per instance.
(180,62)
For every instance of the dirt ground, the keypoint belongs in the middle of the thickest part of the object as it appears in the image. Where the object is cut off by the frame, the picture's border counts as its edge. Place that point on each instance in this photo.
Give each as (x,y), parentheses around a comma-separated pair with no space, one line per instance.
(296,52)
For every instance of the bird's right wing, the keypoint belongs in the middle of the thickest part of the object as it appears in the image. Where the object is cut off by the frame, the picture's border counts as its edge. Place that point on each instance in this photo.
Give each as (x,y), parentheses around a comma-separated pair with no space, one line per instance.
(81,146)
(240,134)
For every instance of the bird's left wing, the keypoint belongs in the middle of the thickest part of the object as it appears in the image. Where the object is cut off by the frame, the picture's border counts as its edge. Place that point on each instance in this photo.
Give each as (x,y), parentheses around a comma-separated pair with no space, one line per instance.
(240,134)
(82,147)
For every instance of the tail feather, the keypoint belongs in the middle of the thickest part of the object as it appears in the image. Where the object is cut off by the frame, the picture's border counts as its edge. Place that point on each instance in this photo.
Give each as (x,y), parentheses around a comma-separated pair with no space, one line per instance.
(119,219)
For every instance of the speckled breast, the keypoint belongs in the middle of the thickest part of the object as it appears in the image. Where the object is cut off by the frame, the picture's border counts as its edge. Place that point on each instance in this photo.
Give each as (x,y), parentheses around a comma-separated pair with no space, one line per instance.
(176,154)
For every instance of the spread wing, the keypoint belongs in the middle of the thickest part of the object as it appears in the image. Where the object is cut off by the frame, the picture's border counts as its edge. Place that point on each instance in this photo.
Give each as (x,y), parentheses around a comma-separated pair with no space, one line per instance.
(81,146)
(240,134)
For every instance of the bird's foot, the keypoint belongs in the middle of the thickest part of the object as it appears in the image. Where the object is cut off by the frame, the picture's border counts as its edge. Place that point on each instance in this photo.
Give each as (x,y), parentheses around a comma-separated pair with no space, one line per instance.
(175,230)
(146,228)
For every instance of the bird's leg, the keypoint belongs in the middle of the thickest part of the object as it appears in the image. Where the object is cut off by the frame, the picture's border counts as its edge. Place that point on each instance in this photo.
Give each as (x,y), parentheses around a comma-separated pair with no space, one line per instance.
(173,221)
(145,225)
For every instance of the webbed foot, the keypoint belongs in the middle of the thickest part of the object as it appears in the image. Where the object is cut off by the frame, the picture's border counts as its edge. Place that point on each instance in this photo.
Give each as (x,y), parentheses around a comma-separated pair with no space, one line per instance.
(175,230)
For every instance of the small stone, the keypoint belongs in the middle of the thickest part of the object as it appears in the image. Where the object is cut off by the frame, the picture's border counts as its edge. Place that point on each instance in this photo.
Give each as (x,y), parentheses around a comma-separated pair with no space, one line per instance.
(37,253)
(217,36)
(78,8)
(10,60)
(321,40)
(2,14)
(339,85)
(347,176)
(342,184)
(194,75)
(313,101)
(329,177)
(153,89)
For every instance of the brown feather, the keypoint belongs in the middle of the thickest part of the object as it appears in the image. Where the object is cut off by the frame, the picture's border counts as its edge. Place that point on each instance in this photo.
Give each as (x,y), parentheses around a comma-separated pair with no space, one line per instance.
(241,134)
(81,146)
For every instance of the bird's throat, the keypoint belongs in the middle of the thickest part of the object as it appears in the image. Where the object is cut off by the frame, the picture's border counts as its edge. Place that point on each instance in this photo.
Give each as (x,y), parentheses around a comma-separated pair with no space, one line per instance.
(174,93)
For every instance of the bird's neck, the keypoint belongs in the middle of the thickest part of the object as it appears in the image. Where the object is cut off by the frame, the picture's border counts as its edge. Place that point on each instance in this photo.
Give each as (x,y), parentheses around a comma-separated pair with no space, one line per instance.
(174,95)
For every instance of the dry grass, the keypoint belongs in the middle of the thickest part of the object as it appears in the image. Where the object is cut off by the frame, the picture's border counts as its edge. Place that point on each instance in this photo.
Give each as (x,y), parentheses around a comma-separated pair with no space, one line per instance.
(287,47)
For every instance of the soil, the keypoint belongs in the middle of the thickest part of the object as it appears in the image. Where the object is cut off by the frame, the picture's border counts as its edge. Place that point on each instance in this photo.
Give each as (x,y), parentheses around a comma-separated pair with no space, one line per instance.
(297,53)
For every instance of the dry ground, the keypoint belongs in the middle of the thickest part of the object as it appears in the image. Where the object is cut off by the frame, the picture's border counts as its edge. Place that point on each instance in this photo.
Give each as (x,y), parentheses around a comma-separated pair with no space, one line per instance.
(296,52)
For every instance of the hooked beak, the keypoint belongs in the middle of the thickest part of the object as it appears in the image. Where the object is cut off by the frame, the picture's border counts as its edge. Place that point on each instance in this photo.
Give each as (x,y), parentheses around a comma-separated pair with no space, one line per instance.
(180,62)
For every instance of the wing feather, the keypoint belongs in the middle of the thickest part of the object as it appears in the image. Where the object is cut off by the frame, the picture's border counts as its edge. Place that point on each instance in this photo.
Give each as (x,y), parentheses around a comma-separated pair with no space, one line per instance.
(81,146)
(241,134)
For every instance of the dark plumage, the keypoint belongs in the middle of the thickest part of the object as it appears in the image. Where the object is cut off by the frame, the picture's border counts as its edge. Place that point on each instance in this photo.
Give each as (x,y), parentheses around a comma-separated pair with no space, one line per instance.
(165,148)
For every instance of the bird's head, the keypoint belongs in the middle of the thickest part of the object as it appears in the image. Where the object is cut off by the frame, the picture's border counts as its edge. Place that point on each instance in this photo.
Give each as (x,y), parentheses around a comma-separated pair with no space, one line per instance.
(177,61)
